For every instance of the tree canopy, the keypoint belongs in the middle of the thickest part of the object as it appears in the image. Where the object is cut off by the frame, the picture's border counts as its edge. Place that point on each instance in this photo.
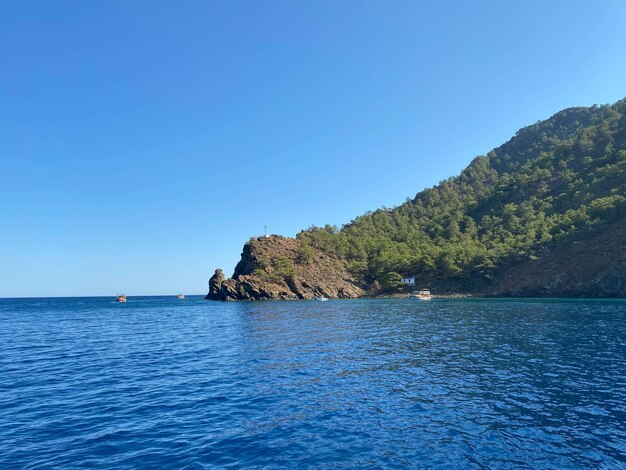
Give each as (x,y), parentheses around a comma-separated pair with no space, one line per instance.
(554,179)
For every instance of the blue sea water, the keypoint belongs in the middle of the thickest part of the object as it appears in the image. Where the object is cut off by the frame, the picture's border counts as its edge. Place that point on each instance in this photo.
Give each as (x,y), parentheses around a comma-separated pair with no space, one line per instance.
(160,382)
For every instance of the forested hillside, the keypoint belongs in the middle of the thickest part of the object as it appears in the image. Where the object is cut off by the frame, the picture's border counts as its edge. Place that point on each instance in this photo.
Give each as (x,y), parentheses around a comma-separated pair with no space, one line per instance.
(554,182)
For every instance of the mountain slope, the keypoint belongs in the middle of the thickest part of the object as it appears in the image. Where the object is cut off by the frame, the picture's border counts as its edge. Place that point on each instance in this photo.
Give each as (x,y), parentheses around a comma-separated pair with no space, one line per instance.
(542,206)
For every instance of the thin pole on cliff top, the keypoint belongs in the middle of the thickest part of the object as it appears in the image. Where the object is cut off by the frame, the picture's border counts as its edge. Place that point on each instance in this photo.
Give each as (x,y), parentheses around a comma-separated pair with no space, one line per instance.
(265,230)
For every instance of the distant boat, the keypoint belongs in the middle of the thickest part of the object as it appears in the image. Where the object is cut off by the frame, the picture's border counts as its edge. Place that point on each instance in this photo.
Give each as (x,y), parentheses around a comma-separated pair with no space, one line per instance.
(121,298)
(321,299)
(424,294)
(181,296)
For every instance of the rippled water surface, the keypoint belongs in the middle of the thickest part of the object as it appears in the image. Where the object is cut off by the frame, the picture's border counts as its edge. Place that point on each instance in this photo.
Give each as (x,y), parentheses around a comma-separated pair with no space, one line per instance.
(165,383)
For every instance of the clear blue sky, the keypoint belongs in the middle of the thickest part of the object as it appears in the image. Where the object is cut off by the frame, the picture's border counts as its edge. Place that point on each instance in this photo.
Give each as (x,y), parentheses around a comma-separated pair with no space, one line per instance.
(142,143)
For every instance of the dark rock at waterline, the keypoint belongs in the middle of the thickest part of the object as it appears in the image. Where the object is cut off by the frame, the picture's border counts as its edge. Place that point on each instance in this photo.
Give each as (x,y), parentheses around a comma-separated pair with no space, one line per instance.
(215,286)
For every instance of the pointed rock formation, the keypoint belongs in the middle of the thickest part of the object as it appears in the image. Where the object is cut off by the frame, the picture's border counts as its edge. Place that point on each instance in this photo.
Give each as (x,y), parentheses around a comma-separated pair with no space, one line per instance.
(215,285)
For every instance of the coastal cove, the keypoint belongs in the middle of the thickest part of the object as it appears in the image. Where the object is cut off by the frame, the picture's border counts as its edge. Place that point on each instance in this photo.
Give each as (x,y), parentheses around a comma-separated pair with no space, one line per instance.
(162,381)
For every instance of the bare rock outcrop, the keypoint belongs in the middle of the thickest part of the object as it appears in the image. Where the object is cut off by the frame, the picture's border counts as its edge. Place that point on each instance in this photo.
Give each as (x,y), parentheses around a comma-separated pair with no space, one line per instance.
(215,285)
(280,268)
(593,266)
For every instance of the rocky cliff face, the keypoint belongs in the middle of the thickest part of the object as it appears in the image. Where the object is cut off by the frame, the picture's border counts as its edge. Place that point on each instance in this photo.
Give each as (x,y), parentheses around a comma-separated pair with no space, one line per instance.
(283,268)
(592,266)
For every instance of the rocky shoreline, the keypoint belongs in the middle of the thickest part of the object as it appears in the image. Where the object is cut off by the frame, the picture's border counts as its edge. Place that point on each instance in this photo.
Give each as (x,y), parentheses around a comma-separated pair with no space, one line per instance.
(281,268)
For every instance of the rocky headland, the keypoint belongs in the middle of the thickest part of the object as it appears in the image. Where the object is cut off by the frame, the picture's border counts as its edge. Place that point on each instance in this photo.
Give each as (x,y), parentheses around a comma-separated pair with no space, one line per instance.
(280,268)
(543,215)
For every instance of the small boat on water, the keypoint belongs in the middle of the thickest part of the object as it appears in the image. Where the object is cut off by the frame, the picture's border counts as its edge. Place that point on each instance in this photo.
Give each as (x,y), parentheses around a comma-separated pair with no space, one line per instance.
(424,294)
(121,298)
(321,299)
(181,296)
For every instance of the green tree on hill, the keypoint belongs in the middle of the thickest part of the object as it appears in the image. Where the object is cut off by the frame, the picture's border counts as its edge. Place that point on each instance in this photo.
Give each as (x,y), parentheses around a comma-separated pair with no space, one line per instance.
(557,178)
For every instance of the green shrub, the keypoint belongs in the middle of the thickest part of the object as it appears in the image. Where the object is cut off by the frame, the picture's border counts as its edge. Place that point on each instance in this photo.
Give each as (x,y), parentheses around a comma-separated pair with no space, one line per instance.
(391,280)
(305,253)
(284,267)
